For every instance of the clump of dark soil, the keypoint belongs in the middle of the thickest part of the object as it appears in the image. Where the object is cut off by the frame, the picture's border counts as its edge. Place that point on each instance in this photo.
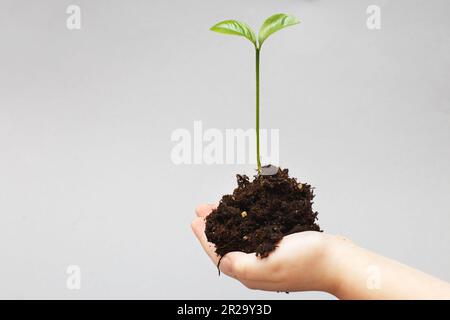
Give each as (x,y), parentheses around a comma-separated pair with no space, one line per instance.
(260,213)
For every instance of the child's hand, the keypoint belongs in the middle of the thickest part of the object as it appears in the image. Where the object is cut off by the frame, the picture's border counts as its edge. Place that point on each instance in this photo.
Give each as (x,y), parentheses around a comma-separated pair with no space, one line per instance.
(299,263)
(317,261)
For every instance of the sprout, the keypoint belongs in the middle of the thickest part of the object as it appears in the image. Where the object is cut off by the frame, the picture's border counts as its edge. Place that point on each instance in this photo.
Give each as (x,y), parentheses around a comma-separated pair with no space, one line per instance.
(272,24)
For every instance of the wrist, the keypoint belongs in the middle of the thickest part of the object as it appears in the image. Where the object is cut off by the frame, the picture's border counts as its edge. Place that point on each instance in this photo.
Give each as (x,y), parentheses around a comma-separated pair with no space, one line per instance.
(335,249)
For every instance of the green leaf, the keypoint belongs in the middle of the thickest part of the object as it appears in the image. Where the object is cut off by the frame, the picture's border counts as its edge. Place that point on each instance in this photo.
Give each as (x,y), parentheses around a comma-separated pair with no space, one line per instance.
(275,23)
(236,28)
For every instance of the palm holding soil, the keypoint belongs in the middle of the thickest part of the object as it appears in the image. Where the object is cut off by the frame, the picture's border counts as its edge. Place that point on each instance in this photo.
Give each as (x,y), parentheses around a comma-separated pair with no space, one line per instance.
(316,261)
(294,266)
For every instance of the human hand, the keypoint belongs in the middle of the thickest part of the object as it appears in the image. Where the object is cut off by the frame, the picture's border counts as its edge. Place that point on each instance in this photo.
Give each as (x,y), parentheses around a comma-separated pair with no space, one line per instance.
(299,263)
(317,261)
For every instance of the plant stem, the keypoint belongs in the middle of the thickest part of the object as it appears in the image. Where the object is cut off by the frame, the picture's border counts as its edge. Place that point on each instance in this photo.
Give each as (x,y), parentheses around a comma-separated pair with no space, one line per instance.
(258,157)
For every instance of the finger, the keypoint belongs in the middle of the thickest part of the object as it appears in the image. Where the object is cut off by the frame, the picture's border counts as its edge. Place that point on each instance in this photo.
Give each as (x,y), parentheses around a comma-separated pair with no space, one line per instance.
(204,209)
(198,226)
(248,267)
(265,286)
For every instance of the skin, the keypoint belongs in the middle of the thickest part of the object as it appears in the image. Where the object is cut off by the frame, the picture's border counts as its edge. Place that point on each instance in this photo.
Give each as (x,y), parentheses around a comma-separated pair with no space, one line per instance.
(315,261)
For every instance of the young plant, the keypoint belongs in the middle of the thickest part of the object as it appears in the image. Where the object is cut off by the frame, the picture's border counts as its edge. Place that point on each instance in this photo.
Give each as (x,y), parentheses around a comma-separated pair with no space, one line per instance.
(271,25)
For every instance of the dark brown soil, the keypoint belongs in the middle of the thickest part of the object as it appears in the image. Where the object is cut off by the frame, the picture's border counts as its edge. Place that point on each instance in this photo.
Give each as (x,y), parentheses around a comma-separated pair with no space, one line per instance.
(260,213)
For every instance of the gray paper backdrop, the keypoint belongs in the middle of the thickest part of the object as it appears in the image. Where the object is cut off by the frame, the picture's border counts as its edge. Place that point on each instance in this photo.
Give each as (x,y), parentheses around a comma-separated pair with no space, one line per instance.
(86,118)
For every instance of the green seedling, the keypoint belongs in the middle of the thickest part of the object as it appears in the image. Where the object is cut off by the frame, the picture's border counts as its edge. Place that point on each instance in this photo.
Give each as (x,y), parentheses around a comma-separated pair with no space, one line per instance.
(271,25)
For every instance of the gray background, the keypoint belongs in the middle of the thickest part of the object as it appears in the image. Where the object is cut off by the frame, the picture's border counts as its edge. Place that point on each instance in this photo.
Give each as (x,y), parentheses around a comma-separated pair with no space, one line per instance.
(86,118)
